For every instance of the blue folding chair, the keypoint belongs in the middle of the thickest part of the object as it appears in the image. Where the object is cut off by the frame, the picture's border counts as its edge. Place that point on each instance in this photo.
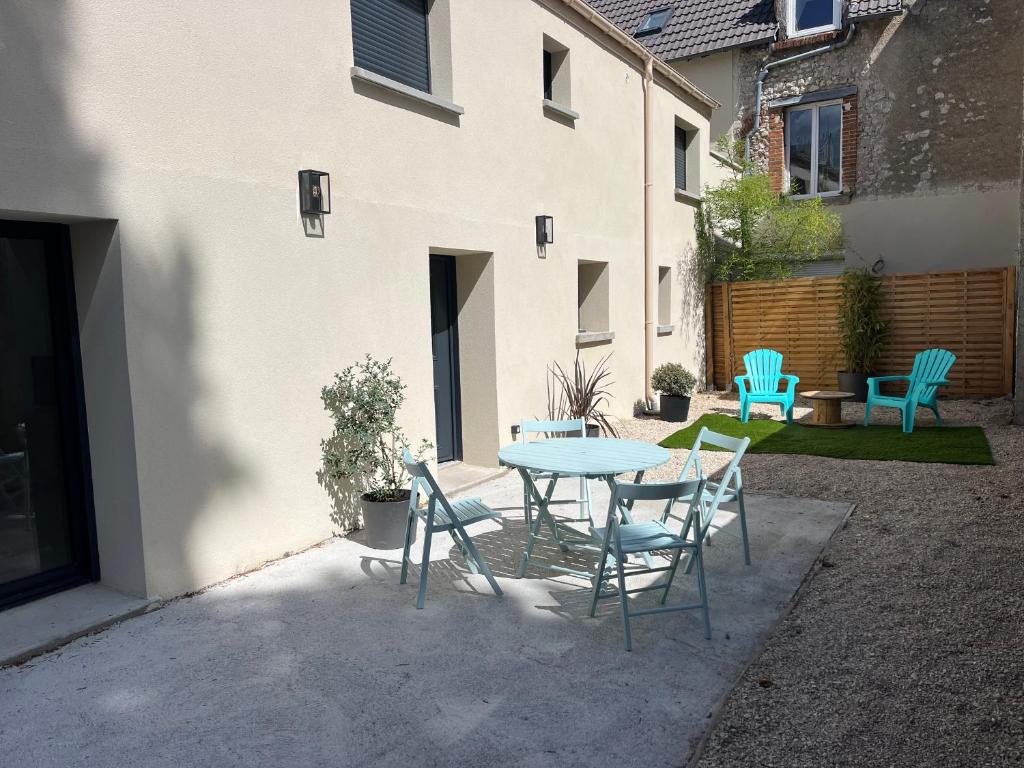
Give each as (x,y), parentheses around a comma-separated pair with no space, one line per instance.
(728,490)
(760,384)
(441,515)
(620,540)
(556,428)
(931,368)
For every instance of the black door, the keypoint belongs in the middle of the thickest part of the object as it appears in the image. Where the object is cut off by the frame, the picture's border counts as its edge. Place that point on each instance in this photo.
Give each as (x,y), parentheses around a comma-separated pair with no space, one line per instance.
(444,327)
(47,536)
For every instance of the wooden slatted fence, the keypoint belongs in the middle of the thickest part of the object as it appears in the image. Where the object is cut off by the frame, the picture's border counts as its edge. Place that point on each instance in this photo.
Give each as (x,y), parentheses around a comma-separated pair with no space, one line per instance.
(970,313)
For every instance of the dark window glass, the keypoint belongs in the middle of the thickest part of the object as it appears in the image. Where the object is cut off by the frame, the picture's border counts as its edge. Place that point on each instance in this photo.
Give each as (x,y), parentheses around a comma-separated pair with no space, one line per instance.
(389,37)
(813,13)
(799,137)
(548,74)
(682,140)
(830,132)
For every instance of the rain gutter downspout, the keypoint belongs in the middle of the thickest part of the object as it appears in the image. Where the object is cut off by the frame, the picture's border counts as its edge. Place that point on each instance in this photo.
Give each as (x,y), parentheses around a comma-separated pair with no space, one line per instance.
(762,75)
(648,230)
(651,64)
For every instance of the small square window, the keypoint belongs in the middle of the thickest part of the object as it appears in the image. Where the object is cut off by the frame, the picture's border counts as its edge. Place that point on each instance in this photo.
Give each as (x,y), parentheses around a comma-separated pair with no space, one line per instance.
(807,17)
(653,22)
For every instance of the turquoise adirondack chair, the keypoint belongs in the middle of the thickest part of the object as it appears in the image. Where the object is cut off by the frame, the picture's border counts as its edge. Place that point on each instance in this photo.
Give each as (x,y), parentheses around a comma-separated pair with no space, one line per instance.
(929,373)
(761,383)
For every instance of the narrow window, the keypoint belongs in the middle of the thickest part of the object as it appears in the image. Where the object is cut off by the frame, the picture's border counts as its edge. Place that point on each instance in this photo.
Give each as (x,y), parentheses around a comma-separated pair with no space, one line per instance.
(653,22)
(592,296)
(548,74)
(682,143)
(557,80)
(814,149)
(390,37)
(664,296)
(811,16)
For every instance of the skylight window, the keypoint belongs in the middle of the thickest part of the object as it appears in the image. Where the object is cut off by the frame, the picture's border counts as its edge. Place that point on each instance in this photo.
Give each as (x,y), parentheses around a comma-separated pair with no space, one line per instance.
(653,22)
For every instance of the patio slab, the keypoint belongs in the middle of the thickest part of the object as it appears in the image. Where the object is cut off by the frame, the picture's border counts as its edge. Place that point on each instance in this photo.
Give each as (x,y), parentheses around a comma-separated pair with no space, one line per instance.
(42,625)
(322,659)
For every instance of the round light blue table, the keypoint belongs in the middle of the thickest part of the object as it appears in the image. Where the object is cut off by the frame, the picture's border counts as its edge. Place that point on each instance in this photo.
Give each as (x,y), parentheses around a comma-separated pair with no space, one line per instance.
(596,458)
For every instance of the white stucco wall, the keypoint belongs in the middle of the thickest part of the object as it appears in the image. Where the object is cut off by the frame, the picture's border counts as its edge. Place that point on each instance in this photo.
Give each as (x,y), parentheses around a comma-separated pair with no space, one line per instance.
(210,320)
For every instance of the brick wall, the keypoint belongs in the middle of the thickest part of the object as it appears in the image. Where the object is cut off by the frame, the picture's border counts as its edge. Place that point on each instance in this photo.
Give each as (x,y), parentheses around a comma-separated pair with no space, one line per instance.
(774,119)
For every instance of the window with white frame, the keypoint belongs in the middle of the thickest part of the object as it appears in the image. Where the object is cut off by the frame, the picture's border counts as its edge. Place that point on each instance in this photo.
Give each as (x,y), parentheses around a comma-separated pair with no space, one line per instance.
(809,17)
(814,149)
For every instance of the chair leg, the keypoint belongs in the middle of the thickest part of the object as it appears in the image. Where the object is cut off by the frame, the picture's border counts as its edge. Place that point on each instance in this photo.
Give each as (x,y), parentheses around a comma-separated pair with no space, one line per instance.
(424,568)
(703,587)
(744,410)
(671,575)
(482,564)
(466,556)
(867,412)
(908,417)
(408,544)
(599,579)
(623,597)
(743,525)
(789,413)
(935,410)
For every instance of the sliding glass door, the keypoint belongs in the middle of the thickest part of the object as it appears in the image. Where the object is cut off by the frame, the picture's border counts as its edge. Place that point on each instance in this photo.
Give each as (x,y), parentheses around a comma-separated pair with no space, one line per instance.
(47,537)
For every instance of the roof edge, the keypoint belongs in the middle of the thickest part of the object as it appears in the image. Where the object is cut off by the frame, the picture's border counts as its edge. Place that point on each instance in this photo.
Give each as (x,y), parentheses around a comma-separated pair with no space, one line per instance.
(768,38)
(637,49)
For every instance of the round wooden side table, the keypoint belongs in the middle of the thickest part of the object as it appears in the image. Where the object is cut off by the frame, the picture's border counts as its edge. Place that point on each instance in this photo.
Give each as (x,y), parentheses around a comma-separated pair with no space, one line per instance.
(828,407)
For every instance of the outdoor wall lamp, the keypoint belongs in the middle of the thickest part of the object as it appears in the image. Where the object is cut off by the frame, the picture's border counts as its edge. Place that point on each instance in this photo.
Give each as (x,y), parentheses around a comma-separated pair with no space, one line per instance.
(545,230)
(314,192)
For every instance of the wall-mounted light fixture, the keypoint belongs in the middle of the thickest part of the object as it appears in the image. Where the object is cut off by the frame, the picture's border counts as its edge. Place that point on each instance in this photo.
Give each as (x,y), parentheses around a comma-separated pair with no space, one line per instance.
(314,192)
(545,230)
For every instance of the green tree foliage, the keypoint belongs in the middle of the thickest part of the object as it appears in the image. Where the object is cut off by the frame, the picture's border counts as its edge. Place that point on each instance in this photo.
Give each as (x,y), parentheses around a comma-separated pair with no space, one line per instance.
(674,380)
(746,231)
(366,445)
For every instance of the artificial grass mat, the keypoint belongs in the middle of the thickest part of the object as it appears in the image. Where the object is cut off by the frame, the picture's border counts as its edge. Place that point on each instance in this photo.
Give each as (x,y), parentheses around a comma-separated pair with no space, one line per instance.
(939,445)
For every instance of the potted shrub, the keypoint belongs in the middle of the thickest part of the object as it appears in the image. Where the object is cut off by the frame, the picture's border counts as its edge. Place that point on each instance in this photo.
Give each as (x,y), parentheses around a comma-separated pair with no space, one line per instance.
(581,396)
(675,384)
(364,451)
(862,331)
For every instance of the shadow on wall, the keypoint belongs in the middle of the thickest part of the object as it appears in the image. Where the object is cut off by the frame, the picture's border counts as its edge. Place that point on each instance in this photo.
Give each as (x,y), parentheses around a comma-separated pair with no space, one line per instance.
(192,463)
(692,288)
(155,458)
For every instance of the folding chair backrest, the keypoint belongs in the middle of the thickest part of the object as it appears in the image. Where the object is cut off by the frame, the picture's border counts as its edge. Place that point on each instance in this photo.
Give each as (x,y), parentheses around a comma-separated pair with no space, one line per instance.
(930,365)
(552,428)
(422,478)
(764,367)
(738,445)
(667,492)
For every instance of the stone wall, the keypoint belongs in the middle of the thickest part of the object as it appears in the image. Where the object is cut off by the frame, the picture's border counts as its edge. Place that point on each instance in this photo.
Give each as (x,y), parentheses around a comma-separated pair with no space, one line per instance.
(938,90)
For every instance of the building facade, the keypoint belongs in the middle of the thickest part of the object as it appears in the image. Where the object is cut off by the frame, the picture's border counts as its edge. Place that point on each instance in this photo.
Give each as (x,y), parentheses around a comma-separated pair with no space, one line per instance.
(903,114)
(177,315)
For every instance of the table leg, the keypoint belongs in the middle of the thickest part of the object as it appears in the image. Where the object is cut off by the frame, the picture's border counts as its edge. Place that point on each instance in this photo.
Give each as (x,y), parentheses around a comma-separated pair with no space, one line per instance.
(542,516)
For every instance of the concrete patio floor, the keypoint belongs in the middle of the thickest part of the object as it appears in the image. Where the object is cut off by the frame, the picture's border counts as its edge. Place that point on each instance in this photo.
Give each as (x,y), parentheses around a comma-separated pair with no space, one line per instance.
(322,659)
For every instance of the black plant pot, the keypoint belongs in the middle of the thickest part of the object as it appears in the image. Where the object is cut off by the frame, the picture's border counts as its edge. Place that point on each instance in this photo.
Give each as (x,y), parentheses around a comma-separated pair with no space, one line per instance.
(674,408)
(593,430)
(856,383)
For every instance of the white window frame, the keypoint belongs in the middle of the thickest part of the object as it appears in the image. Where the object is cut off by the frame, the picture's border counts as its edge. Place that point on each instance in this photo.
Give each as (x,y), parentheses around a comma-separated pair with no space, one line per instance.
(813,107)
(792,31)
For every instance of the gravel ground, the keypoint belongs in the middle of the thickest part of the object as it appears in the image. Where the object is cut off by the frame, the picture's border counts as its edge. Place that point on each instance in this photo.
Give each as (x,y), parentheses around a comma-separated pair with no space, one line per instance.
(907,647)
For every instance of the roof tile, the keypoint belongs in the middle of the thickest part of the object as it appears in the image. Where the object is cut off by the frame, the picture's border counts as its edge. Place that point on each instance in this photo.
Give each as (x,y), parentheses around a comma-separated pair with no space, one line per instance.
(696,26)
